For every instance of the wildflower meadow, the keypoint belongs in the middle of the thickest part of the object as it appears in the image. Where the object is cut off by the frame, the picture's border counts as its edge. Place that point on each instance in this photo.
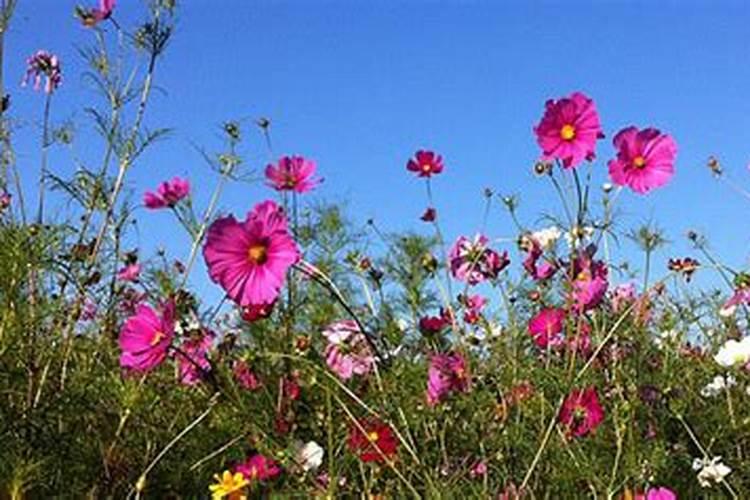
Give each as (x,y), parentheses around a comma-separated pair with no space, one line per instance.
(289,347)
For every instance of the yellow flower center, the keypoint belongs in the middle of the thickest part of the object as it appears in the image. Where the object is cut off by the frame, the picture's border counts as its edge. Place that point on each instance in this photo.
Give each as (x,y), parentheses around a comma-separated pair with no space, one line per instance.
(639,162)
(158,337)
(568,132)
(257,253)
(372,436)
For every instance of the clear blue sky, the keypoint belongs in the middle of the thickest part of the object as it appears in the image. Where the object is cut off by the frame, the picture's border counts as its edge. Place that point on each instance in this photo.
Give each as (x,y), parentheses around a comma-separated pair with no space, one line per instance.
(359,86)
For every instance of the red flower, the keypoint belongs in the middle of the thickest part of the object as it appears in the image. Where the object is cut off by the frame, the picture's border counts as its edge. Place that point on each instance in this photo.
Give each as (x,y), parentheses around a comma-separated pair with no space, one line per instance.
(376,444)
(581,412)
(429,215)
(255,312)
(425,163)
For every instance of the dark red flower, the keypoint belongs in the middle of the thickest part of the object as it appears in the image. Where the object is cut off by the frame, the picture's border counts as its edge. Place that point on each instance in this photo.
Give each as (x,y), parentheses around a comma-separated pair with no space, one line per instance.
(425,163)
(376,444)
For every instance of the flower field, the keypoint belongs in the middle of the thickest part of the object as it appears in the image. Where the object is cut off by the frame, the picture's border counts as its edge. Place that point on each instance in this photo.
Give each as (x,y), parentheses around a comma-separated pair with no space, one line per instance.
(288,353)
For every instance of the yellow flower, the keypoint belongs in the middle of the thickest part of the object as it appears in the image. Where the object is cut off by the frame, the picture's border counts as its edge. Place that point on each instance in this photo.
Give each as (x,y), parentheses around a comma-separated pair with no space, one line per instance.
(228,485)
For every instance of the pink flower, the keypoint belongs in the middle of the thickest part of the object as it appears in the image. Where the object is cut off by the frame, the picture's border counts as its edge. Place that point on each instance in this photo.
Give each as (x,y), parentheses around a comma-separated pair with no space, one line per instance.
(473,261)
(192,358)
(569,130)
(645,159)
(542,271)
(622,296)
(425,163)
(89,310)
(292,173)
(430,325)
(660,493)
(91,17)
(5,200)
(146,337)
(546,327)
(347,352)
(43,65)
(130,272)
(168,194)
(479,469)
(474,305)
(581,412)
(740,296)
(447,373)
(589,281)
(245,376)
(249,259)
(259,468)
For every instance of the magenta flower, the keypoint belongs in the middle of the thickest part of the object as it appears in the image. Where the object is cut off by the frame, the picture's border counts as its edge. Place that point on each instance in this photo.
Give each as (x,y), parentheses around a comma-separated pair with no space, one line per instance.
(547,326)
(569,130)
(660,493)
(589,281)
(249,259)
(91,17)
(347,352)
(473,261)
(581,412)
(292,173)
(538,271)
(145,338)
(430,325)
(130,272)
(192,358)
(645,159)
(447,373)
(245,376)
(168,194)
(425,163)
(43,65)
(479,469)
(5,200)
(259,468)
(473,305)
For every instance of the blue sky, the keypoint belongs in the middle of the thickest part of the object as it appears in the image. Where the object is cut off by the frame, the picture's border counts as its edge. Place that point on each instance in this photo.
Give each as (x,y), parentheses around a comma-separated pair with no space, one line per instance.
(359,86)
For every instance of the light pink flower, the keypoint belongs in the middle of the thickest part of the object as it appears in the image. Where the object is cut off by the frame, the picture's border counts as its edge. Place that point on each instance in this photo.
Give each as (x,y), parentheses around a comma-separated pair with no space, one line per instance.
(192,358)
(292,173)
(447,373)
(473,261)
(89,310)
(130,272)
(425,163)
(43,65)
(145,338)
(249,259)
(569,130)
(547,326)
(168,194)
(645,159)
(259,468)
(622,296)
(348,352)
(581,412)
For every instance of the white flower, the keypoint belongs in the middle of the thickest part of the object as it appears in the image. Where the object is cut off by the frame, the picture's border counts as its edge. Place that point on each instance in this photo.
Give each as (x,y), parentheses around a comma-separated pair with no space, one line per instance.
(309,456)
(710,470)
(734,353)
(547,237)
(666,337)
(727,311)
(578,235)
(717,385)
(607,187)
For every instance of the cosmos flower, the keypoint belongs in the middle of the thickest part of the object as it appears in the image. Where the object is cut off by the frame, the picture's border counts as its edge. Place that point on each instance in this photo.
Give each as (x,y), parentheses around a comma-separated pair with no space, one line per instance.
(249,259)
(538,271)
(622,296)
(168,194)
(660,493)
(258,468)
(473,305)
(347,352)
(581,412)
(588,280)
(645,159)
(256,312)
(376,444)
(245,376)
(546,327)
(309,456)
(145,338)
(569,129)
(192,358)
(43,64)
(447,373)
(734,353)
(292,173)
(425,163)
(130,272)
(710,471)
(93,16)
(473,261)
